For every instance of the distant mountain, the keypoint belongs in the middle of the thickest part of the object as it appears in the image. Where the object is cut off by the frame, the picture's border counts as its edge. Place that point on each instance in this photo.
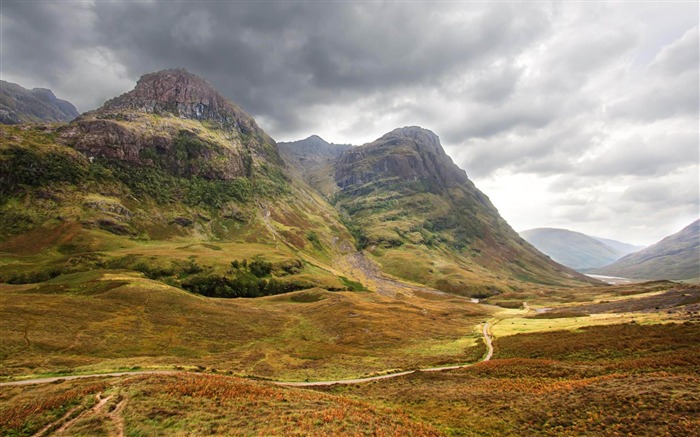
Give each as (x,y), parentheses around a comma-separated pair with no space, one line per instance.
(675,257)
(573,249)
(20,105)
(311,157)
(313,148)
(620,247)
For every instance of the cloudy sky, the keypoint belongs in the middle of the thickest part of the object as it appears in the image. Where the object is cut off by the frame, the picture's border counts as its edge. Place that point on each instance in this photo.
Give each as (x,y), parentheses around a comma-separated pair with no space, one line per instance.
(581,115)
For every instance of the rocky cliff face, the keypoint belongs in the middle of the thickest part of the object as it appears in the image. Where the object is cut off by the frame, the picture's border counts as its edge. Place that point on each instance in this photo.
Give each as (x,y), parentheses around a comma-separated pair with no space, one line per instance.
(183,94)
(39,105)
(177,121)
(409,153)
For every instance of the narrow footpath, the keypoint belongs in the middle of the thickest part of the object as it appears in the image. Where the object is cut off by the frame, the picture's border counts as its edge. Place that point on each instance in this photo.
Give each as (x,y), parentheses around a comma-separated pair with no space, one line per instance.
(487,357)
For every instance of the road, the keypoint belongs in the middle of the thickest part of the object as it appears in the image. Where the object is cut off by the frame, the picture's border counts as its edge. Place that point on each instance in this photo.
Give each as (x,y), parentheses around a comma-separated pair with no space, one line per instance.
(487,340)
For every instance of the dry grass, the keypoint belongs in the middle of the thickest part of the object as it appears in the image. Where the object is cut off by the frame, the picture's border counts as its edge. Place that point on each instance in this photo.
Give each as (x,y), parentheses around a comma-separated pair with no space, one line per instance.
(607,380)
(105,321)
(194,404)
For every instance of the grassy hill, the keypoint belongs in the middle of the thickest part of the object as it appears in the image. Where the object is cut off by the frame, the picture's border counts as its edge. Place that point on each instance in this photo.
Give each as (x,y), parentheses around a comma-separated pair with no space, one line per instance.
(157,183)
(675,257)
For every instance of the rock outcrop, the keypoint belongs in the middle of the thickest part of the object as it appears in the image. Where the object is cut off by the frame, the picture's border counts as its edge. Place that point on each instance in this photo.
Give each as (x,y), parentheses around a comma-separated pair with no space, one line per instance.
(408,153)
(185,95)
(225,144)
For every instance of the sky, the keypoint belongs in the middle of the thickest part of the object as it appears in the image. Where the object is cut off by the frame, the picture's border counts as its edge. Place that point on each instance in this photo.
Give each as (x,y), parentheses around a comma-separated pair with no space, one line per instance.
(578,115)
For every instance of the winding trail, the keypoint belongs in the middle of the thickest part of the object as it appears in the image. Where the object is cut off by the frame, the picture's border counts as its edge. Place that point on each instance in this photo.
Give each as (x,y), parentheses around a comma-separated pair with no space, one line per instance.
(487,357)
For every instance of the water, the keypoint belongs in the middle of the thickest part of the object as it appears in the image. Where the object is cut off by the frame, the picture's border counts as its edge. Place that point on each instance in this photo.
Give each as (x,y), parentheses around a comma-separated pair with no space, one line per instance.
(613,280)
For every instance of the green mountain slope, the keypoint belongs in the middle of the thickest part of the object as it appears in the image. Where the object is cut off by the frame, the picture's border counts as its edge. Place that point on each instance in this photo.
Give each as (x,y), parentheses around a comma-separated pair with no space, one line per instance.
(154,181)
(675,257)
(574,249)
(419,216)
(20,105)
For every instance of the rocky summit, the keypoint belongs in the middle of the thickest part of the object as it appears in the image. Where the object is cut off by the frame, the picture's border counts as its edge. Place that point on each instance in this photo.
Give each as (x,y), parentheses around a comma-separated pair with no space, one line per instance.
(408,153)
(159,123)
(186,95)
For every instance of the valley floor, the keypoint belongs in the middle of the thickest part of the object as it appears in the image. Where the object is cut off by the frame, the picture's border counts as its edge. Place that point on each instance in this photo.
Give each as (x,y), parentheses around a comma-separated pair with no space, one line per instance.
(599,360)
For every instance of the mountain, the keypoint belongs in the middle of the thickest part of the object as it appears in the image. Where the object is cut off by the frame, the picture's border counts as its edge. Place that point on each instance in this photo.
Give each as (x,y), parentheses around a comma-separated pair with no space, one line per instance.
(675,257)
(420,217)
(574,249)
(20,105)
(173,180)
(312,158)
(154,179)
(620,247)
(312,150)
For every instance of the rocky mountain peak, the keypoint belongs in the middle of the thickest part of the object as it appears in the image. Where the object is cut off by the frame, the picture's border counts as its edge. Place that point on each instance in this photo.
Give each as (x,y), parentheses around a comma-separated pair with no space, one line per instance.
(183,94)
(406,153)
(423,138)
(120,130)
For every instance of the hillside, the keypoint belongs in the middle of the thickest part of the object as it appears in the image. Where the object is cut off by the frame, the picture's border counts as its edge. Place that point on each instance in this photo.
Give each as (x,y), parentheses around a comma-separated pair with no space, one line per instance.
(310,152)
(573,249)
(421,218)
(39,105)
(675,257)
(167,166)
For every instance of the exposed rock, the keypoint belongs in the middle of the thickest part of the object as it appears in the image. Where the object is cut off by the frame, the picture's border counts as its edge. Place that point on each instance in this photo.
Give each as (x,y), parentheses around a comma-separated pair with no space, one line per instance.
(181,152)
(233,211)
(182,221)
(122,130)
(111,207)
(406,153)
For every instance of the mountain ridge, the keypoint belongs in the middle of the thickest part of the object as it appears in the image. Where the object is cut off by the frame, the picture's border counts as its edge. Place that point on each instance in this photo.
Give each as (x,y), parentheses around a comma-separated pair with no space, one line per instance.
(573,249)
(420,217)
(38,105)
(676,257)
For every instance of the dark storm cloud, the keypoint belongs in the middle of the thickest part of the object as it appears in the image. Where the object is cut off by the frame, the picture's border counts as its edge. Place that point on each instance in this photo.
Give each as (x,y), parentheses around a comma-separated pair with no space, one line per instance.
(36,38)
(602,97)
(276,58)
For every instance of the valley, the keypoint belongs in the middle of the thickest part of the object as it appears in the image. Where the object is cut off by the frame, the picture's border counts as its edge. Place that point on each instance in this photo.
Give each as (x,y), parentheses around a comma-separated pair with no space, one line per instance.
(166,268)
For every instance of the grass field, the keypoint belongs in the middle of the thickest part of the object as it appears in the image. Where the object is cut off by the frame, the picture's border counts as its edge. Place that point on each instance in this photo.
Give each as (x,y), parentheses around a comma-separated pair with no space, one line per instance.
(107,320)
(589,361)
(193,404)
(622,379)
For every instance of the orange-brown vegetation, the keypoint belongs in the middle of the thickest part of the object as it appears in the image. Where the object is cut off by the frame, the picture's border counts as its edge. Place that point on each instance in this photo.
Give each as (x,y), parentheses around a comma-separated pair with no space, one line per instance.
(200,404)
(607,380)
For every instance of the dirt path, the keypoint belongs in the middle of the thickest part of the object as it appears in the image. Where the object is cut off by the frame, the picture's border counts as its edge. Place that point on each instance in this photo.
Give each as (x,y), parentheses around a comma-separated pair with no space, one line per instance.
(487,357)
(92,375)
